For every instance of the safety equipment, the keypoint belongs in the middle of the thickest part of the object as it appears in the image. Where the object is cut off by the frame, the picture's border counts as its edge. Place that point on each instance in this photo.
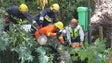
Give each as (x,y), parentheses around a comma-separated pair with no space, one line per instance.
(61,39)
(23,8)
(33,22)
(59,25)
(48,18)
(74,33)
(81,43)
(74,21)
(42,40)
(55,7)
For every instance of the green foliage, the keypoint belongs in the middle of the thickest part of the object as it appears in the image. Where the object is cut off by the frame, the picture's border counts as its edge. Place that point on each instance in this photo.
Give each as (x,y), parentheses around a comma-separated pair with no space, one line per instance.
(19,41)
(23,43)
(21,1)
(4,41)
(2,13)
(68,8)
(3,37)
(95,53)
(43,58)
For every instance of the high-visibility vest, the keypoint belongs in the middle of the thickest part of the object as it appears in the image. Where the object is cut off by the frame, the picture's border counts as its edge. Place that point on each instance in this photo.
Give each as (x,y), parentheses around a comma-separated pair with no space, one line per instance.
(74,32)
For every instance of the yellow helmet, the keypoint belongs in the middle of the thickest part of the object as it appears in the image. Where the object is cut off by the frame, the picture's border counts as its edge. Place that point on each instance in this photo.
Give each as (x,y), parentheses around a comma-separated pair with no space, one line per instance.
(23,7)
(55,7)
(59,25)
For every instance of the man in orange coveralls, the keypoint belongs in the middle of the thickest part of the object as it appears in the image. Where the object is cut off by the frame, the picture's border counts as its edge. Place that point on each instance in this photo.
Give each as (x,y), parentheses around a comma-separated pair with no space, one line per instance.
(51,30)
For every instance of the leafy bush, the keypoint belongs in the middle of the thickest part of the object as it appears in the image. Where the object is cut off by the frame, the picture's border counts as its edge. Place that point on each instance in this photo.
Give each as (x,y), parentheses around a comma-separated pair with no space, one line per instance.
(22,46)
(95,53)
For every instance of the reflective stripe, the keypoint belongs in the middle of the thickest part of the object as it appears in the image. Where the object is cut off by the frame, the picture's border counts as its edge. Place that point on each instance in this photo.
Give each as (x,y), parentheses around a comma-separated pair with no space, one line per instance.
(74,32)
(48,18)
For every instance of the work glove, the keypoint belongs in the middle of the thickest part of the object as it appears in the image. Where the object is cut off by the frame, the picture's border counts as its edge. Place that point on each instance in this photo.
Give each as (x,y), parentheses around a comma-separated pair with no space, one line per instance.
(81,43)
(41,19)
(33,21)
(35,24)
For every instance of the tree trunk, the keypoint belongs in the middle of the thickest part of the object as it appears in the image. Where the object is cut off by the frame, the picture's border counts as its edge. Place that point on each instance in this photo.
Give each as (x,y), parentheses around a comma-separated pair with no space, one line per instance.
(103,17)
(110,57)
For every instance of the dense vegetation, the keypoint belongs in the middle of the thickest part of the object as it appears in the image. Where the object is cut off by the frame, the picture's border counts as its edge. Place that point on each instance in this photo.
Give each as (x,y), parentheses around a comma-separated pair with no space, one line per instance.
(19,46)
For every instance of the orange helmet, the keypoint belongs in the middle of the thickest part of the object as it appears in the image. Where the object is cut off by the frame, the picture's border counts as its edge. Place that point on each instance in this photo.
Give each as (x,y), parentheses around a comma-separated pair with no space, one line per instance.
(74,21)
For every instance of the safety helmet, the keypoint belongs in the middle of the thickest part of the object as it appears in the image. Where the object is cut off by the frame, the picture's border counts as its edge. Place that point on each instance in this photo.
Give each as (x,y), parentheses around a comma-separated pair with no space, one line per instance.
(59,25)
(74,21)
(23,8)
(55,7)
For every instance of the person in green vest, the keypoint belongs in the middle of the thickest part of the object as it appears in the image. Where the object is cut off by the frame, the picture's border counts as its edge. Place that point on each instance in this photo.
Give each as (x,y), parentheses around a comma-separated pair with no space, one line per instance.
(74,33)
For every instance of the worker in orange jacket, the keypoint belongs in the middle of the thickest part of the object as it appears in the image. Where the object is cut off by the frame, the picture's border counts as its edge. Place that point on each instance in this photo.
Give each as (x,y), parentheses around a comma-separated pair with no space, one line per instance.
(51,30)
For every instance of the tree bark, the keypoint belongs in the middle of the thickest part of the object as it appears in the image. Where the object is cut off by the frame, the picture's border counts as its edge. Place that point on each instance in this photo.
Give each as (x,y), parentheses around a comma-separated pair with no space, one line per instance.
(110,57)
(103,17)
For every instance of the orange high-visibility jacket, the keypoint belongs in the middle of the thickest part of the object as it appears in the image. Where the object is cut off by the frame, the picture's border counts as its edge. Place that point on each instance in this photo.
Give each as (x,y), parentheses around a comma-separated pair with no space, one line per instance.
(48,31)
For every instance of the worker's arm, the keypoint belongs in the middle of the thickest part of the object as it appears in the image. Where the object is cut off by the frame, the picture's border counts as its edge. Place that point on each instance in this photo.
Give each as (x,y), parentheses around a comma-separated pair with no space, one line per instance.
(28,17)
(31,20)
(81,33)
(43,13)
(11,13)
(61,39)
(54,18)
(37,34)
(68,34)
